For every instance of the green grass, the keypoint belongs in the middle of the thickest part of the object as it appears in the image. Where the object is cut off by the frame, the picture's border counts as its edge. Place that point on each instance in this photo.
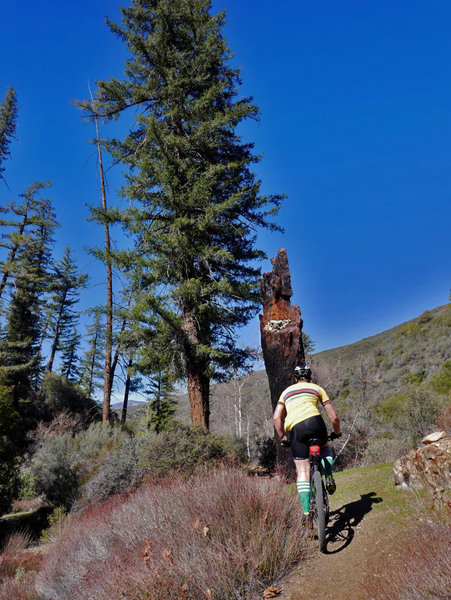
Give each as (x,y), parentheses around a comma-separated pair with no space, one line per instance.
(397,505)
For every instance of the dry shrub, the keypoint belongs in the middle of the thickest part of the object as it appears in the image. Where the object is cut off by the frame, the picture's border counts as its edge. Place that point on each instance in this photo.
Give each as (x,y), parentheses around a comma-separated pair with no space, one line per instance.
(19,587)
(16,542)
(218,536)
(27,505)
(63,422)
(18,567)
(422,570)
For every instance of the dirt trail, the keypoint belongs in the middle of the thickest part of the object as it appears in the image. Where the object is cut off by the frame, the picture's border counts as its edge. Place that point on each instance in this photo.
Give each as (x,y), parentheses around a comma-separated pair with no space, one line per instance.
(367,513)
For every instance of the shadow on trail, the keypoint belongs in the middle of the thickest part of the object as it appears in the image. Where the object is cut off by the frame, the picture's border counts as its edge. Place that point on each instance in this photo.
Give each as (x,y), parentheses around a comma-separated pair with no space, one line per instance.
(342,522)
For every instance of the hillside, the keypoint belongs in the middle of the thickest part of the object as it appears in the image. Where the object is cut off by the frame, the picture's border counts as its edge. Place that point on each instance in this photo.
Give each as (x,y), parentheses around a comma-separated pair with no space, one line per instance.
(418,346)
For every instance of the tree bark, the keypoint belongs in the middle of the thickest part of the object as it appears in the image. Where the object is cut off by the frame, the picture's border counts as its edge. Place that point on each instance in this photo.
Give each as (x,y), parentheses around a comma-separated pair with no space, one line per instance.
(126,392)
(281,331)
(108,381)
(198,381)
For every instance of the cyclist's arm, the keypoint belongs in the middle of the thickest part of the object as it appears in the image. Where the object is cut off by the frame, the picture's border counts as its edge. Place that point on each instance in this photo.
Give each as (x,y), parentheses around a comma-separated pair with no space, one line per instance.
(331,413)
(279,419)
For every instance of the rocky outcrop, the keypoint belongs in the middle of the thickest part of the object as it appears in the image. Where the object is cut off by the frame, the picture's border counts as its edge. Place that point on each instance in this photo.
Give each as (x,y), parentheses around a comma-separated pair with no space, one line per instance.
(428,466)
(280,327)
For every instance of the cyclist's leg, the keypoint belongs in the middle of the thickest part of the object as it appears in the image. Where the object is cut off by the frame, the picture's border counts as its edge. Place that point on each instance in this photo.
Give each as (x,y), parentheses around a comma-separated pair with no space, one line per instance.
(303,483)
(327,459)
(328,462)
(299,449)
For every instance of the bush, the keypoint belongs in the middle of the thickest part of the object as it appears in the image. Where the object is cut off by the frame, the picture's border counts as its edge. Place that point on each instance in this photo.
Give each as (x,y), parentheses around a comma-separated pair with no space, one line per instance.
(104,460)
(64,463)
(56,520)
(62,395)
(54,471)
(119,471)
(18,568)
(441,383)
(9,450)
(266,452)
(27,485)
(220,534)
(422,570)
(184,448)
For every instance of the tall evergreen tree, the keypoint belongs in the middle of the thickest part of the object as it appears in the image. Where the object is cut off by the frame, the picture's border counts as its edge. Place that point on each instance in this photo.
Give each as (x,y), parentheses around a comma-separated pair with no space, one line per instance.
(70,360)
(92,364)
(8,117)
(19,354)
(22,218)
(162,404)
(195,203)
(65,294)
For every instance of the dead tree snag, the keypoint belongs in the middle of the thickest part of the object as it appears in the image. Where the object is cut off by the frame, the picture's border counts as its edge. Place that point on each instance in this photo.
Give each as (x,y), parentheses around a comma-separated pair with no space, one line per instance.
(281,328)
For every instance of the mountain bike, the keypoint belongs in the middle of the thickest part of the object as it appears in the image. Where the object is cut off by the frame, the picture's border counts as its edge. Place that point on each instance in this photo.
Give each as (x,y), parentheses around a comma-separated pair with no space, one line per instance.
(319,500)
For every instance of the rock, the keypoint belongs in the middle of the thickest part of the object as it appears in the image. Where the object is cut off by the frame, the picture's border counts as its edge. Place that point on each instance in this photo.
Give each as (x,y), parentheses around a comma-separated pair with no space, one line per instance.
(434,437)
(428,466)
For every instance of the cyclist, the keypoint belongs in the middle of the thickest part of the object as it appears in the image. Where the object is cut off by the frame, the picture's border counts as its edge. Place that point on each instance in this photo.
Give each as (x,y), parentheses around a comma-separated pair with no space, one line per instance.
(297,413)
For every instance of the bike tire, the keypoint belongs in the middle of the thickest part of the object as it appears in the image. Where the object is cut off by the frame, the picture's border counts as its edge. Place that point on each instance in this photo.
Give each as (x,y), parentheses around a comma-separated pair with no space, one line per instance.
(320,509)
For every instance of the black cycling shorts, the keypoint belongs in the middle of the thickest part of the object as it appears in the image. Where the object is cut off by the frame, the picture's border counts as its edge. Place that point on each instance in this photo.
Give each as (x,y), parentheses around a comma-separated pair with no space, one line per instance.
(302,432)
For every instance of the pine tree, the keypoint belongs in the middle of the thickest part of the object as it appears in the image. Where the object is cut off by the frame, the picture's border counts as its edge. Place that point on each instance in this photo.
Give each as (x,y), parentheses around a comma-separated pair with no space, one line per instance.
(19,350)
(162,404)
(8,117)
(70,360)
(65,294)
(22,218)
(195,203)
(92,365)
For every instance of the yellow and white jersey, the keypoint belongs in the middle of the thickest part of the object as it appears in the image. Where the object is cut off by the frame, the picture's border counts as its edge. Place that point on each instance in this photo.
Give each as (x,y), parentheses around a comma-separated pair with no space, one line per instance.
(302,401)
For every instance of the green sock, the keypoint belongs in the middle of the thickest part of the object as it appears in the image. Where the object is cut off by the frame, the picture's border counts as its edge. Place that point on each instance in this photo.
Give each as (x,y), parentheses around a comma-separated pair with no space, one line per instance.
(327,465)
(304,495)
(327,461)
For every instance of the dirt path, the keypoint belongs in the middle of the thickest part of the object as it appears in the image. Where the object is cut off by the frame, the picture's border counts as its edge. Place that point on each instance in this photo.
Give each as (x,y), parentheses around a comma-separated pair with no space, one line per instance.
(367,513)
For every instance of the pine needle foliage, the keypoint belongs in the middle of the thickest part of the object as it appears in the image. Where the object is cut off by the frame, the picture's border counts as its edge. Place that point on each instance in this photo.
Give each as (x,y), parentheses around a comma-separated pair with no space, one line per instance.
(29,272)
(8,118)
(195,204)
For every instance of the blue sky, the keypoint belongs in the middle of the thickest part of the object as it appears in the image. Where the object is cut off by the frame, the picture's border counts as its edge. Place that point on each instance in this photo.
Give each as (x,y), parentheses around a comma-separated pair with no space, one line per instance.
(355,128)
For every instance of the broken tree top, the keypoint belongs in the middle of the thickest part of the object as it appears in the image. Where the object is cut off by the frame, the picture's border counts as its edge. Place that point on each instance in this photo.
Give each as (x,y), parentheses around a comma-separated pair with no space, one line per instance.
(280,327)
(276,292)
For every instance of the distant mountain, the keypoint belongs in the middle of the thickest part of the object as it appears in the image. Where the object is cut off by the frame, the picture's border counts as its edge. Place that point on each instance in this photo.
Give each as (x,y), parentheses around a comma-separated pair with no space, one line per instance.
(131,403)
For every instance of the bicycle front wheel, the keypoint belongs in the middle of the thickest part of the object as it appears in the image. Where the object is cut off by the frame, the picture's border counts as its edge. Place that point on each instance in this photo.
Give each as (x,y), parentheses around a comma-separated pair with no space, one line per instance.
(320,509)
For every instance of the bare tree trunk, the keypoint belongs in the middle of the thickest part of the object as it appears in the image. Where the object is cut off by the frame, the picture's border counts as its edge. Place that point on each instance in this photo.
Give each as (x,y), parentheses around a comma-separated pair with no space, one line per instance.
(281,332)
(198,382)
(56,339)
(108,383)
(198,394)
(118,347)
(126,392)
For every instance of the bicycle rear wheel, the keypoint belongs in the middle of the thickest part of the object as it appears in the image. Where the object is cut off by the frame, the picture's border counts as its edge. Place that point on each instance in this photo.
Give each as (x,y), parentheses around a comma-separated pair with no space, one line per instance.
(320,509)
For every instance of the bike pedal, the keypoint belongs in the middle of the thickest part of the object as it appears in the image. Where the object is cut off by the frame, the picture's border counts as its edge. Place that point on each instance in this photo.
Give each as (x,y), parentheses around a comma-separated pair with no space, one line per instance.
(330,485)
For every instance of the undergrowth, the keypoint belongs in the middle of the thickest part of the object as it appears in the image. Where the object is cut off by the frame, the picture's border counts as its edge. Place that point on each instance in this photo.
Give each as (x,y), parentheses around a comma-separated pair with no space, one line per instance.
(422,570)
(18,567)
(220,535)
